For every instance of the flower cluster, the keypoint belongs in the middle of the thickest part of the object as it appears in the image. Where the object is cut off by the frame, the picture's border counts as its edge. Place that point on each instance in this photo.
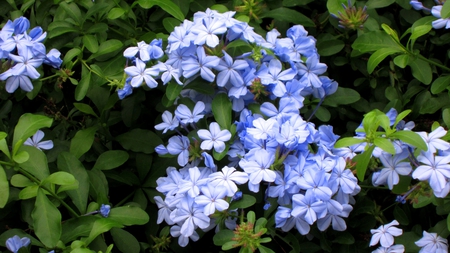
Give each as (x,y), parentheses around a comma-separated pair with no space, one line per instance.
(269,149)
(435,11)
(21,52)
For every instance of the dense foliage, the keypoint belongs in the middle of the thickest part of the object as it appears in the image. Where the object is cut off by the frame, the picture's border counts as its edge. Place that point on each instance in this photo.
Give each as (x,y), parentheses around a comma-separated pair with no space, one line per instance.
(238,126)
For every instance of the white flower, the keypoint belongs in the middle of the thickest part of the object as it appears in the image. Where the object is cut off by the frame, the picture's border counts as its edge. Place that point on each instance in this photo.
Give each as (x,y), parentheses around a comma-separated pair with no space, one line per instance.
(431,242)
(385,234)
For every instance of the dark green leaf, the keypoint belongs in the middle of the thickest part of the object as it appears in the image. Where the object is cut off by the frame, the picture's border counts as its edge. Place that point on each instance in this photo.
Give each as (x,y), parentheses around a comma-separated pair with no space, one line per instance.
(345,238)
(84,84)
(440,84)
(98,186)
(379,56)
(445,11)
(73,52)
(446,116)
(343,96)
(82,141)
(170,23)
(19,180)
(60,178)
(72,11)
(374,4)
(221,108)
(4,188)
(375,40)
(85,108)
(173,90)
(330,47)
(139,140)
(129,215)
(246,201)
(69,163)
(222,237)
(91,43)
(167,5)
(401,60)
(106,47)
(401,216)
(111,159)
(46,220)
(421,70)
(125,241)
(288,15)
(101,226)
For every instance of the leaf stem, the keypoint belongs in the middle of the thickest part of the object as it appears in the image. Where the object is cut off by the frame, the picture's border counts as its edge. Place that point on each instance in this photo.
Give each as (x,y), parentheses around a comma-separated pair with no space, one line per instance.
(37,181)
(433,62)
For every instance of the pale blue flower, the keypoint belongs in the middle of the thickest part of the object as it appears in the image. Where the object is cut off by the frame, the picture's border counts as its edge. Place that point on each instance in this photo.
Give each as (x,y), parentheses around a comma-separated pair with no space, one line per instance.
(308,207)
(214,138)
(275,75)
(228,177)
(440,22)
(435,170)
(262,129)
(212,199)
(433,140)
(179,145)
(192,185)
(175,231)
(385,234)
(258,167)
(229,71)
(169,122)
(206,32)
(393,167)
(141,49)
(185,115)
(202,63)
(140,73)
(163,212)
(397,248)
(431,242)
(35,141)
(14,243)
(189,216)
(168,72)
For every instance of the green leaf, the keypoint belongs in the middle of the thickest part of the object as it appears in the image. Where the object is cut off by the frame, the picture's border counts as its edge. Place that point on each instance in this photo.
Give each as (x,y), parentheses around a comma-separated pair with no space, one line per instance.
(401,216)
(85,108)
(125,241)
(69,163)
(90,42)
(129,215)
(29,192)
(37,164)
(345,238)
(446,116)
(390,32)
(73,52)
(111,159)
(374,4)
(288,15)
(101,226)
(84,84)
(384,144)
(167,5)
(343,96)
(323,114)
(28,125)
(170,23)
(264,249)
(348,141)
(19,180)
(61,30)
(4,188)
(72,11)
(222,237)
(330,47)
(362,162)
(411,138)
(107,47)
(115,13)
(246,201)
(221,108)
(46,220)
(419,31)
(375,40)
(60,178)
(401,60)
(139,140)
(421,70)
(445,12)
(21,157)
(401,116)
(173,90)
(440,84)
(82,141)
(379,56)
(98,186)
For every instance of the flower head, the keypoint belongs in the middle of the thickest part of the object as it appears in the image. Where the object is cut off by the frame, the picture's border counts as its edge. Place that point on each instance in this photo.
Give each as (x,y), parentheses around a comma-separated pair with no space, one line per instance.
(385,234)
(431,242)
(352,17)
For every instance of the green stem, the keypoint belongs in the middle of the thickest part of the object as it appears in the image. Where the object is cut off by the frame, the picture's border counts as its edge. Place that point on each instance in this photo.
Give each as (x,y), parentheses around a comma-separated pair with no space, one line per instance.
(432,62)
(93,71)
(7,163)
(37,181)
(48,77)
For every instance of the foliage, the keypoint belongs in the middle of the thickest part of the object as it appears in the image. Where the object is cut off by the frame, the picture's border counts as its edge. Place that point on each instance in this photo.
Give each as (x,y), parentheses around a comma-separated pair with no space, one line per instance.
(106,149)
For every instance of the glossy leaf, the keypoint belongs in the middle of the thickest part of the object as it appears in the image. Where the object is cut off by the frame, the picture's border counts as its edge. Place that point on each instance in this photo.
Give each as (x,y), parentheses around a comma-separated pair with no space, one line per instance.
(244,202)
(221,108)
(379,56)
(111,159)
(101,226)
(4,188)
(288,15)
(129,215)
(28,125)
(139,140)
(85,108)
(421,70)
(37,164)
(84,84)
(440,84)
(82,141)
(125,241)
(167,5)
(60,178)
(90,42)
(348,141)
(46,220)
(411,138)
(362,162)
(68,163)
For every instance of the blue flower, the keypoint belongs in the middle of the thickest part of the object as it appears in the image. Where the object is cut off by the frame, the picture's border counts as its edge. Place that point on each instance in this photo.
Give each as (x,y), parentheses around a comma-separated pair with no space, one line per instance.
(206,32)
(385,234)
(21,25)
(393,167)
(104,210)
(258,166)
(228,177)
(431,242)
(169,122)
(275,76)
(308,207)
(185,115)
(202,63)
(212,199)
(435,170)
(14,243)
(229,71)
(440,22)
(140,74)
(179,145)
(35,141)
(214,138)
(142,49)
